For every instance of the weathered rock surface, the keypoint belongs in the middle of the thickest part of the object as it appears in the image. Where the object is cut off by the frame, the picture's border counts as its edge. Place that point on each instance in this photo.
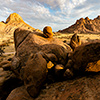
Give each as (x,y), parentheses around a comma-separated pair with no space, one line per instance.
(84,26)
(48,32)
(33,52)
(93,66)
(19,93)
(81,88)
(35,73)
(37,56)
(33,42)
(12,23)
(8,81)
(75,41)
(85,58)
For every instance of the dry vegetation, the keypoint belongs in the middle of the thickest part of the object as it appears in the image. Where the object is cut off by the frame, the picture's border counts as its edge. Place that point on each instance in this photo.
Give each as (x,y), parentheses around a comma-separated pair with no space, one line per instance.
(6,49)
(8,46)
(84,37)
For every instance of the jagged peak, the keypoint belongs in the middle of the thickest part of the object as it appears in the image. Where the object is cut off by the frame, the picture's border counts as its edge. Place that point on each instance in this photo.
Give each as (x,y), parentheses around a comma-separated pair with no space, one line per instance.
(81,20)
(84,25)
(14,17)
(98,17)
(87,18)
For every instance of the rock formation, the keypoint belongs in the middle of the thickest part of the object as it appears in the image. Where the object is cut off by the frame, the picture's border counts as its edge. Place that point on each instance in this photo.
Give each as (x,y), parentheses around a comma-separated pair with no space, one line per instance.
(75,41)
(8,81)
(80,88)
(48,32)
(31,65)
(13,22)
(85,58)
(84,26)
(33,52)
(19,93)
(39,58)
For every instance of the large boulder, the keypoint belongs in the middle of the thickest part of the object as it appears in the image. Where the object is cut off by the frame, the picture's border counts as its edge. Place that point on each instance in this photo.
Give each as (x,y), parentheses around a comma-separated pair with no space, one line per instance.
(48,32)
(80,88)
(8,82)
(35,73)
(19,93)
(27,42)
(33,52)
(85,58)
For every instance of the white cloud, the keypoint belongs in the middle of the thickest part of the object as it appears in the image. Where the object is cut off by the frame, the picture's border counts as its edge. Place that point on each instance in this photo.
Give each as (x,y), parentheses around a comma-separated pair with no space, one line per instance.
(58,14)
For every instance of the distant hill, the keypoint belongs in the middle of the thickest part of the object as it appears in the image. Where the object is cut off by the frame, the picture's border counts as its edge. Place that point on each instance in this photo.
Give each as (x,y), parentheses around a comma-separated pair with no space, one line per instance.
(84,26)
(13,22)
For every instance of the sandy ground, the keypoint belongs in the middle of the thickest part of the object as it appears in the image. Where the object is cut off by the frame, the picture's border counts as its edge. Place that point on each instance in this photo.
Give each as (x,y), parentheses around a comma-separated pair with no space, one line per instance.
(9,50)
(83,37)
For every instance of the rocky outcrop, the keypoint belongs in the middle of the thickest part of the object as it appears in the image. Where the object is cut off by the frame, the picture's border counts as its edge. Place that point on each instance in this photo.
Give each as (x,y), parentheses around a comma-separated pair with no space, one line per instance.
(19,93)
(85,58)
(84,26)
(75,41)
(33,52)
(13,22)
(27,42)
(80,88)
(40,59)
(8,81)
(83,88)
(36,57)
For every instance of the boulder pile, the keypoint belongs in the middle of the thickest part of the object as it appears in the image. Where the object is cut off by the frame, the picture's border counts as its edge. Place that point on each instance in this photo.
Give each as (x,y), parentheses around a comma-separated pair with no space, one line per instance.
(40,58)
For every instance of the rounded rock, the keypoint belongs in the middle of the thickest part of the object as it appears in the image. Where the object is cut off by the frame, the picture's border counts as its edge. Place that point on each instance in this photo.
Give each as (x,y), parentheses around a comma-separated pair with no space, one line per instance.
(47,31)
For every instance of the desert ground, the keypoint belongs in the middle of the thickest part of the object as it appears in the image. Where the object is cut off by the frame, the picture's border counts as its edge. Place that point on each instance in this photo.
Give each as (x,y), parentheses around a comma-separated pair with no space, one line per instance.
(9,49)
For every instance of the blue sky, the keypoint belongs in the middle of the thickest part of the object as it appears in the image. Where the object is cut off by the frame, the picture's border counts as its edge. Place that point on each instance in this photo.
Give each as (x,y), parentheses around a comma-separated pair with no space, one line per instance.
(58,14)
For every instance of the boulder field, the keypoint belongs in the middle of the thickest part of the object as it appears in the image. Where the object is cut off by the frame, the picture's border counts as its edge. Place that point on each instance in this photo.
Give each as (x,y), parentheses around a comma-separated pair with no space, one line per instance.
(45,68)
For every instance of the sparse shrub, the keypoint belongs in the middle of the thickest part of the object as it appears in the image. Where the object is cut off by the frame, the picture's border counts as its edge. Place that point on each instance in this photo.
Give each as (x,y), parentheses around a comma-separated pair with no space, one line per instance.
(1,50)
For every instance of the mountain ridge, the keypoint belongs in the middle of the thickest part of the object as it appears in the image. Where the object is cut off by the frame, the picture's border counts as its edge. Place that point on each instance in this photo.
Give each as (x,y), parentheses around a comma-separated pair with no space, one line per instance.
(84,25)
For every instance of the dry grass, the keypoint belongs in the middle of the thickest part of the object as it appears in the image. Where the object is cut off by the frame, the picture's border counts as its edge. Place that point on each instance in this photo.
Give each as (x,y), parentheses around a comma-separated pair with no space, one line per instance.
(9,48)
(83,37)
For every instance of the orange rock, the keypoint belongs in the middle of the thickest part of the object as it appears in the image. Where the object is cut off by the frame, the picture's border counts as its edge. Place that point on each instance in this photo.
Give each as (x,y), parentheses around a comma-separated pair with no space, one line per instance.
(85,58)
(93,66)
(13,22)
(47,31)
(87,18)
(14,17)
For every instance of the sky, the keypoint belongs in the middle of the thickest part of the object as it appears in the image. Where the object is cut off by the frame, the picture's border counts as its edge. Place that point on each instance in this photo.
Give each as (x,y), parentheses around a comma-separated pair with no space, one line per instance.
(59,14)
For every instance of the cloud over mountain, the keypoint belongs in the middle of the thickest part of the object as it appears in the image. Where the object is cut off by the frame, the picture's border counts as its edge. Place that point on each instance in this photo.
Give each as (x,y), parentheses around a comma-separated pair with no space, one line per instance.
(57,13)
